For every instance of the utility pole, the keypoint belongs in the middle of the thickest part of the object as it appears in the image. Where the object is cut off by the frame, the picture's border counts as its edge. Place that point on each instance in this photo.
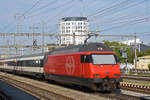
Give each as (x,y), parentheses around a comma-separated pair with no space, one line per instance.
(33,37)
(60,37)
(74,41)
(18,18)
(43,31)
(33,27)
(8,52)
(135,47)
(99,33)
(22,51)
(15,44)
(74,35)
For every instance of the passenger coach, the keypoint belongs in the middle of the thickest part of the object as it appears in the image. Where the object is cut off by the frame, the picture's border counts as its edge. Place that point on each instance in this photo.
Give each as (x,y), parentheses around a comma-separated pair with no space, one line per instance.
(27,65)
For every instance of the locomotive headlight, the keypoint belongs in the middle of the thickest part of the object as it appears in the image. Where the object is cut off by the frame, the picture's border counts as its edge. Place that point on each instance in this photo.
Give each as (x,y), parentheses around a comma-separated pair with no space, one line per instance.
(116,75)
(96,75)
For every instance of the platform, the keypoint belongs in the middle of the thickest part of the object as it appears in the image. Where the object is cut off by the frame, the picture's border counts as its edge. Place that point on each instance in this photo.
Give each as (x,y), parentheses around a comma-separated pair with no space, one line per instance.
(8,92)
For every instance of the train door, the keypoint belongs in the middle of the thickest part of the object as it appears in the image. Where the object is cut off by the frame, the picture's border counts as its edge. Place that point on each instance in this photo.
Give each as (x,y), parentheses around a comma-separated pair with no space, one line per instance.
(15,66)
(85,60)
(41,65)
(82,66)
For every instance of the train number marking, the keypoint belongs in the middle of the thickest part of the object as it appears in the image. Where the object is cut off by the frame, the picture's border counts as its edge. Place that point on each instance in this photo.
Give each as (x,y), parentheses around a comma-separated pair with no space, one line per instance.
(70,65)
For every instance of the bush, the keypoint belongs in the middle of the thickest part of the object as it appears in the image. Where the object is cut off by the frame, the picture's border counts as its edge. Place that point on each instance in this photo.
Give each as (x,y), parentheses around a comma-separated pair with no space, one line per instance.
(149,66)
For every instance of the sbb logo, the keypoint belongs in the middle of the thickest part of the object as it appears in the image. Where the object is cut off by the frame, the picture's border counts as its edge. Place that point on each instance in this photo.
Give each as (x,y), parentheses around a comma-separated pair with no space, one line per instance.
(70,65)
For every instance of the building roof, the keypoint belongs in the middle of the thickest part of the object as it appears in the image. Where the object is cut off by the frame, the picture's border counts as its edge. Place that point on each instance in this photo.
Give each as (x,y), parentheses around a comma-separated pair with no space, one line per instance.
(74,19)
(144,57)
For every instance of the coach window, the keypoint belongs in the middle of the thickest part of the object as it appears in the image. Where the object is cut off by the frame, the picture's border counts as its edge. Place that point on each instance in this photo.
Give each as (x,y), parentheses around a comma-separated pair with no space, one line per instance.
(37,63)
(41,63)
(29,63)
(85,59)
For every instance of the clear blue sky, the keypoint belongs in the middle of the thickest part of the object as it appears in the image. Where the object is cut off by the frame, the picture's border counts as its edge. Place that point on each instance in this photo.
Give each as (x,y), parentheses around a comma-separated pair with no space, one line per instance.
(113,16)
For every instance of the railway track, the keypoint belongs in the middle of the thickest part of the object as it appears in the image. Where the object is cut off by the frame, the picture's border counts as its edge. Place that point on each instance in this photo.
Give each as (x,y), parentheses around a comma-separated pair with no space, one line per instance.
(118,96)
(138,84)
(136,78)
(135,88)
(46,91)
(34,90)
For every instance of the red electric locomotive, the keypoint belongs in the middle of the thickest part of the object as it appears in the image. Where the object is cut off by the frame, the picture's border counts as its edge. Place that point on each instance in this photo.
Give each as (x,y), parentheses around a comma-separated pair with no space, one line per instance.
(93,65)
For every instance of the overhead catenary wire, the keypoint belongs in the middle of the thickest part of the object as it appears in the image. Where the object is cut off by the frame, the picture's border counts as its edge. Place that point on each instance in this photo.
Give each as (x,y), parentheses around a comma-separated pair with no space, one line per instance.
(48,21)
(44,6)
(39,7)
(27,11)
(93,9)
(137,21)
(136,4)
(108,8)
(119,9)
(52,9)
(129,5)
(122,21)
(116,20)
(70,4)
(34,5)
(128,21)
(64,11)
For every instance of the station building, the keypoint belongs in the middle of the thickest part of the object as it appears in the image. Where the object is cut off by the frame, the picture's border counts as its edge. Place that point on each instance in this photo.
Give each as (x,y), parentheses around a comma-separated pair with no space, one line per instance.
(73,26)
(143,62)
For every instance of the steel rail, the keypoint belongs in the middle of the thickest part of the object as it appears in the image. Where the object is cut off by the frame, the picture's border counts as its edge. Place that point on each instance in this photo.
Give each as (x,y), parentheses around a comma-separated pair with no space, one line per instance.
(34,90)
(135,87)
(136,78)
(48,95)
(46,91)
(117,96)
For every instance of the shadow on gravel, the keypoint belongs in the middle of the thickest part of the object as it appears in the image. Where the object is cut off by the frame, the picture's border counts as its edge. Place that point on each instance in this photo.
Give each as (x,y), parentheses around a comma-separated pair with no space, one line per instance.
(83,89)
(3,96)
(145,98)
(74,87)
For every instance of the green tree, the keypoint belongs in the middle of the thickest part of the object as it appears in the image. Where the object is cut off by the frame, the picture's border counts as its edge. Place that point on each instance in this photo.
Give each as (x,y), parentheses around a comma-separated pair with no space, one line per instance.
(148,51)
(115,46)
(130,51)
(149,66)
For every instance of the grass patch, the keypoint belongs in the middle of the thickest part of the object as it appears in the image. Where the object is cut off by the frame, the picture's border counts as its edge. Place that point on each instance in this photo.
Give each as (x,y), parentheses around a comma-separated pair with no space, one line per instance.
(140,74)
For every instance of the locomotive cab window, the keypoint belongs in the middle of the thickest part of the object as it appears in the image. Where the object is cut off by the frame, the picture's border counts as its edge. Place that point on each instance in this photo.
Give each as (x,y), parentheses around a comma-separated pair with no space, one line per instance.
(104,59)
(85,58)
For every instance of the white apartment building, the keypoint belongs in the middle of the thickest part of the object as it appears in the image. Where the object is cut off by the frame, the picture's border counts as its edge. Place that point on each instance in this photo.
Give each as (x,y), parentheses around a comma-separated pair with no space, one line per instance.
(73,26)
